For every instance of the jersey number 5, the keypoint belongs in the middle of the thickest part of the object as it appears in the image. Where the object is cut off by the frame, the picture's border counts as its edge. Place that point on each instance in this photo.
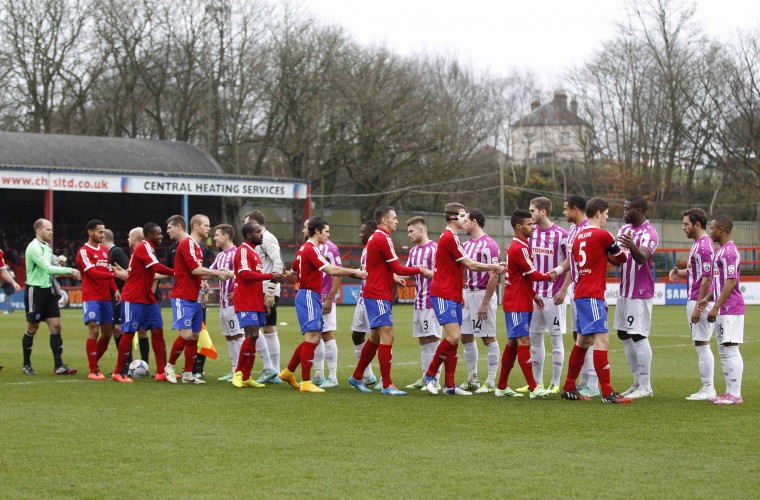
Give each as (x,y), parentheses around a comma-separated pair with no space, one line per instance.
(582,252)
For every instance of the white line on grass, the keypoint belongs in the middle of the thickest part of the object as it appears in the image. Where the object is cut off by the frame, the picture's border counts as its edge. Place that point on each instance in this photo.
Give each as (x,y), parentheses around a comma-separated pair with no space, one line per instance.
(42,382)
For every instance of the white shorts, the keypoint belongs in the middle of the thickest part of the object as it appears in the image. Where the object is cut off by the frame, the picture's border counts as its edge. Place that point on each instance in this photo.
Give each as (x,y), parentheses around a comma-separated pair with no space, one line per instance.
(729,329)
(425,324)
(360,322)
(330,320)
(229,321)
(633,316)
(573,310)
(552,318)
(470,323)
(703,330)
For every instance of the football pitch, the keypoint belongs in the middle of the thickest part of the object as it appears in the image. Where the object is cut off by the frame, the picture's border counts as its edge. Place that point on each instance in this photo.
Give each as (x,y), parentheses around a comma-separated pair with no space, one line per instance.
(71,437)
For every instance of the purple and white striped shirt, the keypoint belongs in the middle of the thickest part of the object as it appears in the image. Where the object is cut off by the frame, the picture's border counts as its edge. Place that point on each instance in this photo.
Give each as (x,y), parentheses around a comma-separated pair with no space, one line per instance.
(224,261)
(636,281)
(422,255)
(484,250)
(571,234)
(699,265)
(549,247)
(728,266)
(331,253)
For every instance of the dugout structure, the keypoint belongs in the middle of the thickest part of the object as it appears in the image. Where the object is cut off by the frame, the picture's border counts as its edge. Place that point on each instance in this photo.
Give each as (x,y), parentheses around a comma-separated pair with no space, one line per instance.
(124,182)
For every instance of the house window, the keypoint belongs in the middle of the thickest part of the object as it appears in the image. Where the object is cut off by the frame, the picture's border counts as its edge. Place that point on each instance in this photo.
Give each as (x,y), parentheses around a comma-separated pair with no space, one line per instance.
(565,138)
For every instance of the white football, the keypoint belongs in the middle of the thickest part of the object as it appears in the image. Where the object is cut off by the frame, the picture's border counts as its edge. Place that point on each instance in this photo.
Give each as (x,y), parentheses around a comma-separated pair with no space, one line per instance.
(138,369)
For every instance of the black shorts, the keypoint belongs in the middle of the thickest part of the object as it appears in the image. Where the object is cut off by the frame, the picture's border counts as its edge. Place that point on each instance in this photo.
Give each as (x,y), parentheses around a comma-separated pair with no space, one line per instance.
(272,316)
(40,304)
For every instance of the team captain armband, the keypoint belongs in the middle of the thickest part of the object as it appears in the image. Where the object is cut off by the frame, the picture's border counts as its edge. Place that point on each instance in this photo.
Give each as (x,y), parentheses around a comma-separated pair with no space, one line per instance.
(613,249)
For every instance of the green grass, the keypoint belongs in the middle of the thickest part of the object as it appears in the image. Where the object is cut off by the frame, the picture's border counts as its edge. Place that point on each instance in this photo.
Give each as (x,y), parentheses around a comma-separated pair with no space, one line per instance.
(69,437)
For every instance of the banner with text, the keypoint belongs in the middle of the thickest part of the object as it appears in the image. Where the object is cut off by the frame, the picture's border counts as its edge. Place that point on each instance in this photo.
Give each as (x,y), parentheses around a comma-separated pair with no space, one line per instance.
(94,183)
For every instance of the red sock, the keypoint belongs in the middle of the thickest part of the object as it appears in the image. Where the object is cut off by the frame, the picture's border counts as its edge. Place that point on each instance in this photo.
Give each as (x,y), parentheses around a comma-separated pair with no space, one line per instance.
(177,349)
(247,357)
(365,358)
(307,359)
(91,347)
(384,356)
(507,362)
(438,357)
(450,365)
(191,352)
(296,359)
(523,359)
(125,344)
(602,367)
(102,346)
(574,366)
(159,348)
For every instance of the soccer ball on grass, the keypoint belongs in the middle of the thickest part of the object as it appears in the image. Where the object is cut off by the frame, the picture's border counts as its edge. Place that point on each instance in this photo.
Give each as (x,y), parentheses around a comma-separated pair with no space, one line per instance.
(138,369)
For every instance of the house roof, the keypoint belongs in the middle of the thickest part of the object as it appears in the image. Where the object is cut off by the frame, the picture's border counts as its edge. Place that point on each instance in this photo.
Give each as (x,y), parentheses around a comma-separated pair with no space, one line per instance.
(103,154)
(554,112)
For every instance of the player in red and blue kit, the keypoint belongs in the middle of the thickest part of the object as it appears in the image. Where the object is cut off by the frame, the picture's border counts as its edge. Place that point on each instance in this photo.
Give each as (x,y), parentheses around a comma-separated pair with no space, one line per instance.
(360,323)
(382,264)
(309,265)
(248,300)
(591,248)
(139,307)
(519,297)
(187,310)
(446,296)
(97,285)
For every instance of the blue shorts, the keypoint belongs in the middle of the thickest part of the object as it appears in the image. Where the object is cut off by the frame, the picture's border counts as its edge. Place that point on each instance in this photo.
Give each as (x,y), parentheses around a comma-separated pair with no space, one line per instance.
(447,311)
(379,312)
(591,316)
(518,324)
(252,318)
(309,310)
(187,315)
(135,316)
(99,311)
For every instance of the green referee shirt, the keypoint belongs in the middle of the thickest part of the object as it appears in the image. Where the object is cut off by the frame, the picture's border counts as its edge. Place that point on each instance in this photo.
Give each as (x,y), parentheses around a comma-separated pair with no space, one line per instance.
(39,265)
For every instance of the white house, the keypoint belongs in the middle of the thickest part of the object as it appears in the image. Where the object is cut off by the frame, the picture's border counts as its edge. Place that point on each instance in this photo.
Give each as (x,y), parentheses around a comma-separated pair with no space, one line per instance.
(552,132)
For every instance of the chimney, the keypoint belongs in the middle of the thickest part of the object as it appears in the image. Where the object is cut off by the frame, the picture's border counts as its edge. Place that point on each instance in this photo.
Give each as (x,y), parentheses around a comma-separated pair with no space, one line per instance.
(535,104)
(574,106)
(560,99)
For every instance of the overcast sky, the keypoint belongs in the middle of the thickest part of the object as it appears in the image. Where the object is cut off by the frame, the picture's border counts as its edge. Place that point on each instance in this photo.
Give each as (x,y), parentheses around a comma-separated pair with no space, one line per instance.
(546,36)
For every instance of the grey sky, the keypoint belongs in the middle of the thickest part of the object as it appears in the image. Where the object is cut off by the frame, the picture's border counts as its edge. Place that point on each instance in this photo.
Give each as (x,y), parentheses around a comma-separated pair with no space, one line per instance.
(546,36)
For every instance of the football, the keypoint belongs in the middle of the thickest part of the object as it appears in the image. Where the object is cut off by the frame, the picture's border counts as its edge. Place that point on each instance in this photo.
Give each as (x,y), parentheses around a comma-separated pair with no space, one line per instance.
(138,369)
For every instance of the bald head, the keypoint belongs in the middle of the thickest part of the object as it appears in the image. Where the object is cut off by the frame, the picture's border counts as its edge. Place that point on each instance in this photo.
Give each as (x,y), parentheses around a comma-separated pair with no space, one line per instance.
(135,236)
(43,230)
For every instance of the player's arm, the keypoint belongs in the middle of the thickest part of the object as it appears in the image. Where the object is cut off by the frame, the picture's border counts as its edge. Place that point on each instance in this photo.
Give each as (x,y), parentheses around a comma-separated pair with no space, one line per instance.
(7,277)
(724,295)
(327,305)
(336,271)
(528,270)
(248,275)
(480,267)
(493,282)
(403,270)
(273,252)
(640,254)
(676,273)
(703,298)
(162,272)
(615,254)
(47,267)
